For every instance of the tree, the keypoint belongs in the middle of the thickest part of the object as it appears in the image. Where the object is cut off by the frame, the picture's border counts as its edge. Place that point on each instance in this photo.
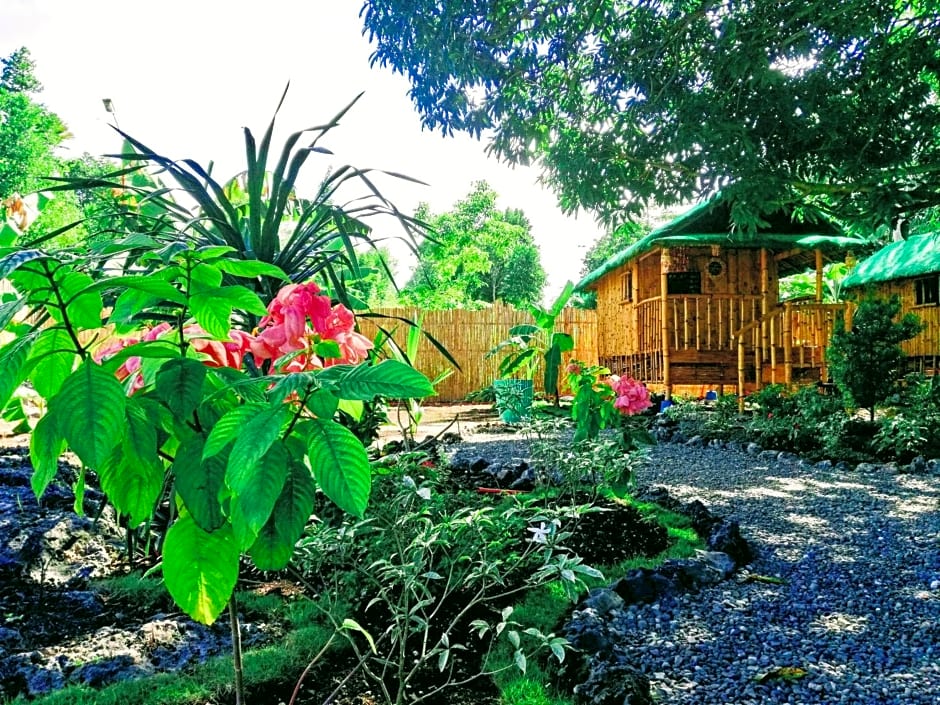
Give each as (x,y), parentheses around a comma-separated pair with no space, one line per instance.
(609,244)
(628,103)
(29,132)
(865,361)
(476,254)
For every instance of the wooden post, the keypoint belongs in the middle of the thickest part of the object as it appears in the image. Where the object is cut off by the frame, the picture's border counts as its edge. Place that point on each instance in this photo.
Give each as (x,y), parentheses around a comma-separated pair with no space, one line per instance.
(664,314)
(788,344)
(819,276)
(741,374)
(764,308)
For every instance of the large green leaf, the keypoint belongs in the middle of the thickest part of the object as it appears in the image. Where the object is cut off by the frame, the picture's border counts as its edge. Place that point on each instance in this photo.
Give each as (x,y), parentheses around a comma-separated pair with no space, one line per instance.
(15,260)
(212,309)
(250,268)
(254,439)
(200,568)
(275,543)
(389,378)
(46,444)
(9,309)
(179,384)
(199,482)
(251,505)
(90,411)
(83,301)
(228,427)
(54,357)
(340,465)
(133,476)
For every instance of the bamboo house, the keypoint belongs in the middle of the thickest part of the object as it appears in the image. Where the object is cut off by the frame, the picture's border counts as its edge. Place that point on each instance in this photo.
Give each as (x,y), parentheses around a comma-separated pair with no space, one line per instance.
(909,269)
(695,304)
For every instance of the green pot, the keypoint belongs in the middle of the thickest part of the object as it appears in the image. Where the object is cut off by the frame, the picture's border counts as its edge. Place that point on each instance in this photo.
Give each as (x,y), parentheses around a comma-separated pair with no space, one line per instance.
(513,399)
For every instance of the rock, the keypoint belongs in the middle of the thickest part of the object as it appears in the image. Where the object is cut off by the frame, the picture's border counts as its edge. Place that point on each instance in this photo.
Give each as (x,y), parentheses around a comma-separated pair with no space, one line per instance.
(603,601)
(479,464)
(842,466)
(726,538)
(786,456)
(658,495)
(702,520)
(525,482)
(918,465)
(612,680)
(716,443)
(868,467)
(933,466)
(678,438)
(824,465)
(695,442)
(107,671)
(768,456)
(643,585)
(587,632)
(718,561)
(753,449)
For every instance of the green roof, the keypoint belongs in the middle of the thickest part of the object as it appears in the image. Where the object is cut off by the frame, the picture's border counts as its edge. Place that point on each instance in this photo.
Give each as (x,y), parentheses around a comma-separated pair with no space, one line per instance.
(914,257)
(709,223)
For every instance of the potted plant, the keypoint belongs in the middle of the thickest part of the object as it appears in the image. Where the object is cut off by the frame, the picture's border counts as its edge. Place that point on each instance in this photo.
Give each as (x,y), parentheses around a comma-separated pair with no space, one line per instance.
(528,346)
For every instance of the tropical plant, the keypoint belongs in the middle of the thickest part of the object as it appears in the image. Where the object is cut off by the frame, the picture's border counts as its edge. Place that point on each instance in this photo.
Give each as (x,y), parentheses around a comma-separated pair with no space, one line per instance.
(531,345)
(626,103)
(866,361)
(258,214)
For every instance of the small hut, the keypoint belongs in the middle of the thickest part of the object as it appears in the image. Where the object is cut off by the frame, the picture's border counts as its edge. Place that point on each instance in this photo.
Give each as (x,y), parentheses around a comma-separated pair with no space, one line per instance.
(909,269)
(694,304)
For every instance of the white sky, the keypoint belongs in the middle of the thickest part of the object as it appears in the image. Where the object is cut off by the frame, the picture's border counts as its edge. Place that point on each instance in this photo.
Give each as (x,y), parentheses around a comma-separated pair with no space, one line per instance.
(185,77)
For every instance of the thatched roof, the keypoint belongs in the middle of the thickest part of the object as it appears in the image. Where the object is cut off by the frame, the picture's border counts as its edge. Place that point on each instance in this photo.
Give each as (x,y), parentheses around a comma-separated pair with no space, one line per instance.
(915,257)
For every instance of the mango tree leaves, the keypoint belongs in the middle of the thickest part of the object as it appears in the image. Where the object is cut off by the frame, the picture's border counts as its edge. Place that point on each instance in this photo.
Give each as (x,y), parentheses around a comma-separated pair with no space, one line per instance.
(13,358)
(200,568)
(90,408)
(256,493)
(46,444)
(275,543)
(179,385)
(199,482)
(340,465)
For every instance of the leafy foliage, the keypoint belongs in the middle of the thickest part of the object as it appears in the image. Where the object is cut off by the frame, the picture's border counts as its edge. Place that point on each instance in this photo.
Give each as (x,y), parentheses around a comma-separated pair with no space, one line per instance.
(628,103)
(476,254)
(866,361)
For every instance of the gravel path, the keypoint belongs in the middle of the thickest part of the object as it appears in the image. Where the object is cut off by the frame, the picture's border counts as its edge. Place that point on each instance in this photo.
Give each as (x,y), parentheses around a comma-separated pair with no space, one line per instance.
(860,607)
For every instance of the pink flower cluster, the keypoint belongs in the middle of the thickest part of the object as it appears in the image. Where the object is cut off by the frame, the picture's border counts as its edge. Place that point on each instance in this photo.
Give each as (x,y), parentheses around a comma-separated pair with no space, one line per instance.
(632,397)
(298,319)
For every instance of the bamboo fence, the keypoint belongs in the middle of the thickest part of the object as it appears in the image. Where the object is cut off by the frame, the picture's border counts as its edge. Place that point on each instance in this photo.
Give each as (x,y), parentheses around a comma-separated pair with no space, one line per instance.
(469,335)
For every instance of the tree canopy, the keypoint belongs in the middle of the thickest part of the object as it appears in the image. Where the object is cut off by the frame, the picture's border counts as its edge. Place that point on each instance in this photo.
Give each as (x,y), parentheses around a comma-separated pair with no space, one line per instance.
(476,253)
(630,102)
(29,132)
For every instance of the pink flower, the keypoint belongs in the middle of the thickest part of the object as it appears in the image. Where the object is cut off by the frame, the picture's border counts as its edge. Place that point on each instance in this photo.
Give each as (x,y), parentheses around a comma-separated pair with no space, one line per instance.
(293,305)
(632,397)
(227,353)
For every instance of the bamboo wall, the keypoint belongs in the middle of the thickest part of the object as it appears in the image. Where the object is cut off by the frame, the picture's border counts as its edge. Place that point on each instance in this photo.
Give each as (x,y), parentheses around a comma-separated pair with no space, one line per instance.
(924,349)
(469,335)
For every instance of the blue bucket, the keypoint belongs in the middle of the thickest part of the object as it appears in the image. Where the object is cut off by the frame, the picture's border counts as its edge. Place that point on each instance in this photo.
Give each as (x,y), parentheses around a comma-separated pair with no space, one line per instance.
(711,395)
(664,404)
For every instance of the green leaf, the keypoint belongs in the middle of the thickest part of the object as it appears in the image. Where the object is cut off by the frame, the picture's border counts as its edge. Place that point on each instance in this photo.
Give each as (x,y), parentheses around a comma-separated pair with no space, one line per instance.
(228,427)
(90,409)
(46,444)
(519,659)
(9,309)
(200,568)
(133,476)
(54,358)
(179,385)
(328,349)
(250,268)
(153,285)
(199,482)
(13,357)
(322,404)
(340,465)
(389,378)
(128,305)
(275,543)
(212,309)
(254,439)
(253,501)
(353,625)
(83,302)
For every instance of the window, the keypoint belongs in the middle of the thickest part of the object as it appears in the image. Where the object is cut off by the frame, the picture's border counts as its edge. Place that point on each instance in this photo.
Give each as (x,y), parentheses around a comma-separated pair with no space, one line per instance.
(684,283)
(927,291)
(626,286)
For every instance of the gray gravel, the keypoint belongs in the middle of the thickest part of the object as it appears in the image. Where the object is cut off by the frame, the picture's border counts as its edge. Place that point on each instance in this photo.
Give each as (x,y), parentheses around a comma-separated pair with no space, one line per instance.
(859,610)
(860,557)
